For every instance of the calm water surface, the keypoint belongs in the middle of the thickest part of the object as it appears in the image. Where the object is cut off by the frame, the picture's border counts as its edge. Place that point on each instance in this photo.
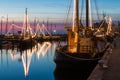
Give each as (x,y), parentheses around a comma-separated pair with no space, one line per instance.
(30,64)
(36,63)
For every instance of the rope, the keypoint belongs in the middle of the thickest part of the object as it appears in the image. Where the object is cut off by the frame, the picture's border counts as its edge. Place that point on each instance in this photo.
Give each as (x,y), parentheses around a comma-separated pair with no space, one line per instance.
(68,12)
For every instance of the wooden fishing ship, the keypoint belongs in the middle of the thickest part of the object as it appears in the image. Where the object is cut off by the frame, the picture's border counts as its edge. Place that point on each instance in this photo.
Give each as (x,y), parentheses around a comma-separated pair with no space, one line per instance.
(84,47)
(26,36)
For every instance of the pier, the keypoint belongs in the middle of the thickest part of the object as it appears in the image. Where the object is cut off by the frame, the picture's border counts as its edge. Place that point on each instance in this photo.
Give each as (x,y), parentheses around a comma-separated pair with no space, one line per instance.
(108,68)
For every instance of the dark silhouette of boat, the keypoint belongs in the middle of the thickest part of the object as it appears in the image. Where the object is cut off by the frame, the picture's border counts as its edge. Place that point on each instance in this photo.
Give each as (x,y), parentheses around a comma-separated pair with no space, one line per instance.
(26,37)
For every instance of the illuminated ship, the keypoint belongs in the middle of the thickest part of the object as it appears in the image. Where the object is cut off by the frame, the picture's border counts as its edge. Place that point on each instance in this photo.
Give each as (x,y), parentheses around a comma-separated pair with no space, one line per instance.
(85,45)
(26,36)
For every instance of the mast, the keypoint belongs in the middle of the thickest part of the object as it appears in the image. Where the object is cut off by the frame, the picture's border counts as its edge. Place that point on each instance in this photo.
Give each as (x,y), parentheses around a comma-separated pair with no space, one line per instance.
(87,13)
(34,24)
(1,26)
(51,28)
(76,23)
(47,23)
(6,24)
(26,63)
(13,27)
(76,16)
(26,21)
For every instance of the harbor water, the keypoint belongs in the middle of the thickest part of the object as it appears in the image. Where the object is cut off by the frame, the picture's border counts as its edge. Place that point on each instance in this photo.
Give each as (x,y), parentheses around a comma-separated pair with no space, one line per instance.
(34,63)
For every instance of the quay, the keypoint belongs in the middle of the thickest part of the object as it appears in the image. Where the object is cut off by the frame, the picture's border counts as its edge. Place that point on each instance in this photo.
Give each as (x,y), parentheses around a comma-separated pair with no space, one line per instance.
(108,68)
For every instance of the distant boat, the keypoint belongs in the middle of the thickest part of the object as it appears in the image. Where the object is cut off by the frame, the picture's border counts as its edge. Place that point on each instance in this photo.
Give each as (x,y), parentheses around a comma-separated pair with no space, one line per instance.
(26,37)
(85,47)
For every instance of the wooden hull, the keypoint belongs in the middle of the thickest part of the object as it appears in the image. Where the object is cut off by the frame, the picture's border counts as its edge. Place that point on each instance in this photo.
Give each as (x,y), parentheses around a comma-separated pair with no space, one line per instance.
(72,73)
(74,66)
(63,58)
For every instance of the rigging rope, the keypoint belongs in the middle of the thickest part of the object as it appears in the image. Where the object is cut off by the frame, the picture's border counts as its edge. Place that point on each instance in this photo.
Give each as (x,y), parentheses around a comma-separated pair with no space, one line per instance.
(97,10)
(82,6)
(68,13)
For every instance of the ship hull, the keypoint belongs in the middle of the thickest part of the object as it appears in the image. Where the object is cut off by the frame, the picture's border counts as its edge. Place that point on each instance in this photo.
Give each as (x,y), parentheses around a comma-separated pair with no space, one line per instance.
(65,59)
(74,66)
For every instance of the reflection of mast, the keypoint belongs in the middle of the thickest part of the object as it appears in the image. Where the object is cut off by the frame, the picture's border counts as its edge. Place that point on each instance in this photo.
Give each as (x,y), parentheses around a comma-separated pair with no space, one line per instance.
(13,55)
(1,57)
(7,56)
(43,49)
(53,49)
(27,55)
(26,59)
(48,45)
(26,69)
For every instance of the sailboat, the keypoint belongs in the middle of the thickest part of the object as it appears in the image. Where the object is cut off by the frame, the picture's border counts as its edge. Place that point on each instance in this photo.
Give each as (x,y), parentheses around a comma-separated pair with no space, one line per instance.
(83,48)
(26,37)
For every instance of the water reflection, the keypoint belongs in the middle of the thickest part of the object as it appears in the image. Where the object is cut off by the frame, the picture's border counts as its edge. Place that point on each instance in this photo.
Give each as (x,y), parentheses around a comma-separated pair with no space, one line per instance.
(43,48)
(72,72)
(40,50)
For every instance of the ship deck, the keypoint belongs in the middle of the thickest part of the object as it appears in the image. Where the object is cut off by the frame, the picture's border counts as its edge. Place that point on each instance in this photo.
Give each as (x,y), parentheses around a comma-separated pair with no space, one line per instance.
(108,67)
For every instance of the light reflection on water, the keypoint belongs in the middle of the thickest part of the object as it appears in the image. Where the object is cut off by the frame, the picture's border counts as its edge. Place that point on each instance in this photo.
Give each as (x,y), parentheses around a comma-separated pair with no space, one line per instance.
(31,64)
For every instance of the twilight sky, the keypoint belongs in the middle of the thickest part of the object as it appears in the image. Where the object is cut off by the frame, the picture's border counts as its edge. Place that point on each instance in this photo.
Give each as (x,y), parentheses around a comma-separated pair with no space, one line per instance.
(51,9)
